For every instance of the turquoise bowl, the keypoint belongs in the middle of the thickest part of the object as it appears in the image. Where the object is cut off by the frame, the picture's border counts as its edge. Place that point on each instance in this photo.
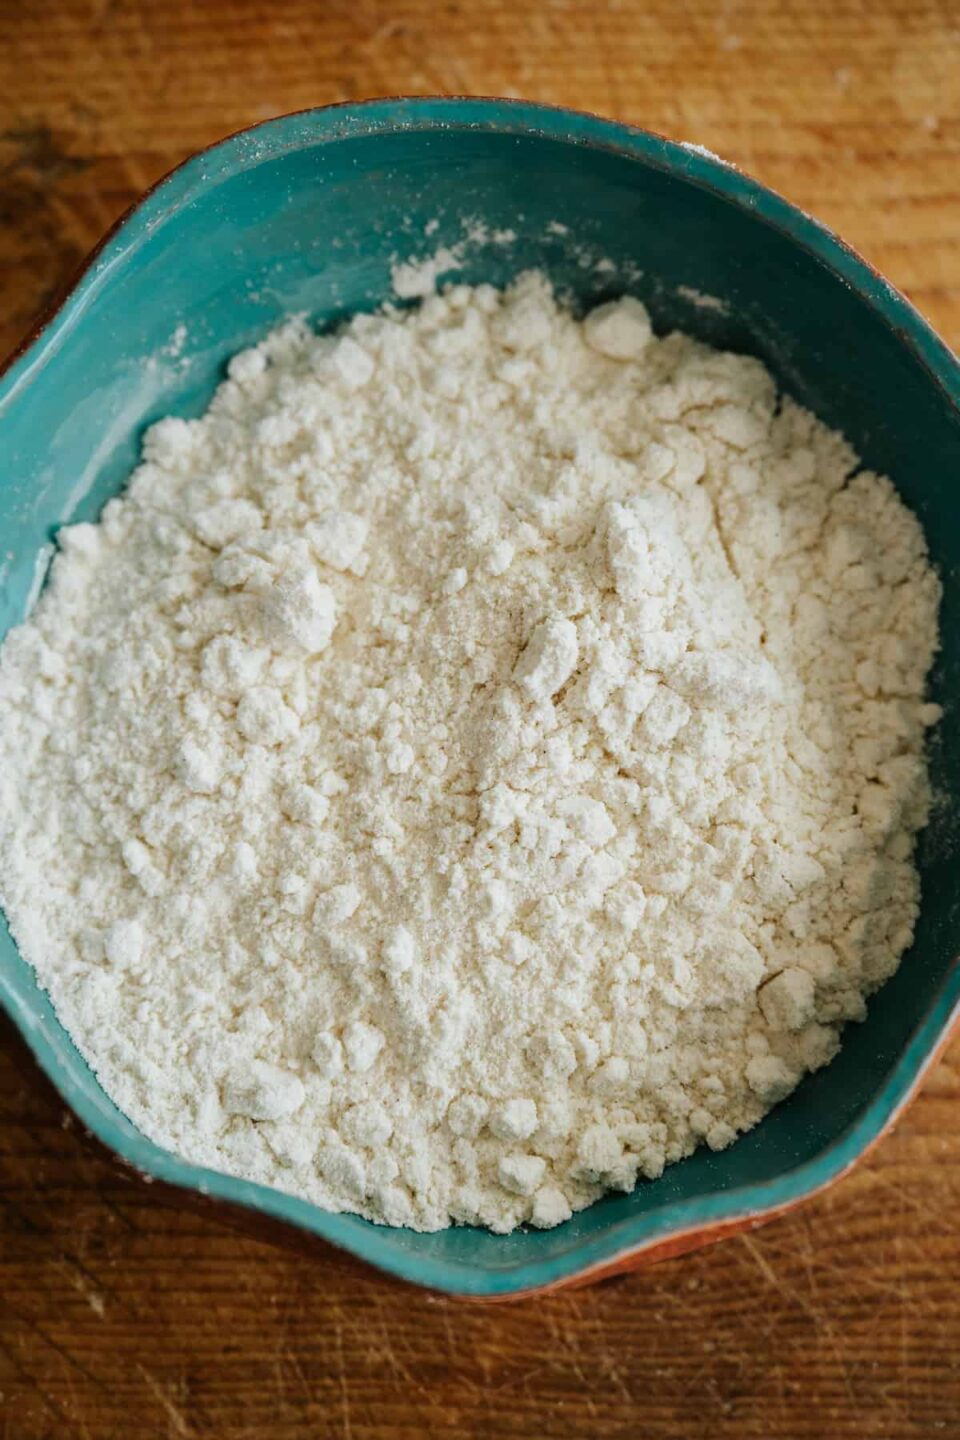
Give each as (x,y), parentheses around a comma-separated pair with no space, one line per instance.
(309,213)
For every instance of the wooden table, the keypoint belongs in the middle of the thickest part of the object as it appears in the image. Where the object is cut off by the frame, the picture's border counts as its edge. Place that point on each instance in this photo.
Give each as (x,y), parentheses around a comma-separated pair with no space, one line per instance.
(123,1317)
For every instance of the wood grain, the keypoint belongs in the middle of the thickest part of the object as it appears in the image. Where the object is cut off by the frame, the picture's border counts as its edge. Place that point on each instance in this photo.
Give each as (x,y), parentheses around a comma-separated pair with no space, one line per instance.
(123,1317)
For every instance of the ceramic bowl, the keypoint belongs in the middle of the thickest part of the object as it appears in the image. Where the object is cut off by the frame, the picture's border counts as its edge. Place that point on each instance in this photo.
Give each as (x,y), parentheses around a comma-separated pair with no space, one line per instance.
(309,213)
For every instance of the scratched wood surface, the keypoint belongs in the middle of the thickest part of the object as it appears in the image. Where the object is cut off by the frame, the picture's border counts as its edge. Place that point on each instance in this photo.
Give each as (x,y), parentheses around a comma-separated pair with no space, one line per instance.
(121,1316)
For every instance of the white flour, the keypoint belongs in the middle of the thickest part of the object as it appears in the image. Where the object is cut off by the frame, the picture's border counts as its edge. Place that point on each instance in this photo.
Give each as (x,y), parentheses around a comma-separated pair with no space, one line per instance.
(473,765)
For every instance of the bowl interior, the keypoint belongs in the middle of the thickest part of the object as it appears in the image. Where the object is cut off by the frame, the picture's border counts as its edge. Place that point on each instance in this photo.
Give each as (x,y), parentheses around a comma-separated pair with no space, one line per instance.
(309,214)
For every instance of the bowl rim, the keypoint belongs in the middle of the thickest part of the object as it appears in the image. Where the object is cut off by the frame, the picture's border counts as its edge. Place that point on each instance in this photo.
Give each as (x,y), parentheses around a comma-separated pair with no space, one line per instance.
(683,1223)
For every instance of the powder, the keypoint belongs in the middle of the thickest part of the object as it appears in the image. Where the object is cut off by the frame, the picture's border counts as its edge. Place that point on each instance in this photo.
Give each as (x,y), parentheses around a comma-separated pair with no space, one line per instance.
(475,764)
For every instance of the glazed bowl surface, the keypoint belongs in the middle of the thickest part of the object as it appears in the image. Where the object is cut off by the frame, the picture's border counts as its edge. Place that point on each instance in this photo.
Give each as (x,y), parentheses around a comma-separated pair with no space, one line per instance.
(311,213)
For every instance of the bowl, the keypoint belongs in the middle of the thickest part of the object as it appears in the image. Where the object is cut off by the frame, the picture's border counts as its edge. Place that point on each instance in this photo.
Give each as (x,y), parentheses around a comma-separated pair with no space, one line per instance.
(310,213)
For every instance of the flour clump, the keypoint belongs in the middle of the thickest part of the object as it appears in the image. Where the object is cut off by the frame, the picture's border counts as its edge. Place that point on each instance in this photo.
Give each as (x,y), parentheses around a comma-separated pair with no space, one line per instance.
(475,764)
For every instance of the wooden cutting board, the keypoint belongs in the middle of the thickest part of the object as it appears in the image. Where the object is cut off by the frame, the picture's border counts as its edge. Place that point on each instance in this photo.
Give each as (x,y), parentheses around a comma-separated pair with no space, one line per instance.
(121,1317)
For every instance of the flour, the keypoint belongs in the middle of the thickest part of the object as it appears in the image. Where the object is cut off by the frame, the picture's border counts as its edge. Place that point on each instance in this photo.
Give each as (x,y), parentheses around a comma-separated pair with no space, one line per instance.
(475,764)
(416,278)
